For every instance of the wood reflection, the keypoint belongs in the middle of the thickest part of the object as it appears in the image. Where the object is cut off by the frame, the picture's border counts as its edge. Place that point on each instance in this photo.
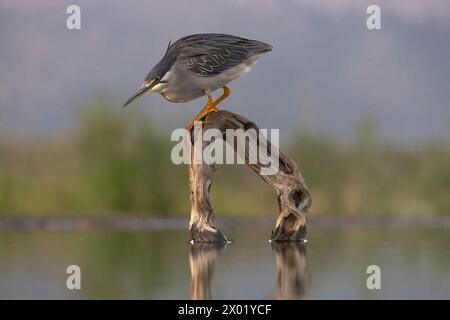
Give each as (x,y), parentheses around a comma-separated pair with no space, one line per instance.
(202,259)
(293,278)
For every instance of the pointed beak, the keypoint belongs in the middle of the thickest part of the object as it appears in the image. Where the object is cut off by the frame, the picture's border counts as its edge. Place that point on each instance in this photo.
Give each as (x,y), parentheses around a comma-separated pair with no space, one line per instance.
(146,87)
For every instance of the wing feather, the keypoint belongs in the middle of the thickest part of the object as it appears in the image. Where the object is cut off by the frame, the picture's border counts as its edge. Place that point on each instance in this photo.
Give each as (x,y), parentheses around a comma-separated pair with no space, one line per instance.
(210,54)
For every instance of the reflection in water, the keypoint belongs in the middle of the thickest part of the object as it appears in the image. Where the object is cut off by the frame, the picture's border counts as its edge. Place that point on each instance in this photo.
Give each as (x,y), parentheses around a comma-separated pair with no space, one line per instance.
(293,279)
(202,258)
(139,265)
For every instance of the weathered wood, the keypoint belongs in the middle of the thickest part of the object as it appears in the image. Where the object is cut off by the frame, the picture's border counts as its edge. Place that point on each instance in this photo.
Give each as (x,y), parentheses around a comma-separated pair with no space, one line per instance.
(292,193)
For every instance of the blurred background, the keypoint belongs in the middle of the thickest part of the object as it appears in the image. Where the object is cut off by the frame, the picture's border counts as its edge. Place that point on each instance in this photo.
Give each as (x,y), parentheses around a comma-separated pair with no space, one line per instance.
(365,114)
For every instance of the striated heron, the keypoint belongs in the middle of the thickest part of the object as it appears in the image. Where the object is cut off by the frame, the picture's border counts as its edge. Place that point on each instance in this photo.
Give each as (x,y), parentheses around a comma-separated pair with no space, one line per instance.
(199,64)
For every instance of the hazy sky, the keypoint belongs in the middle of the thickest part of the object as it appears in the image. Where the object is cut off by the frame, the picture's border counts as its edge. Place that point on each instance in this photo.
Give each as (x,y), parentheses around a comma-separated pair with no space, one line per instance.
(327,70)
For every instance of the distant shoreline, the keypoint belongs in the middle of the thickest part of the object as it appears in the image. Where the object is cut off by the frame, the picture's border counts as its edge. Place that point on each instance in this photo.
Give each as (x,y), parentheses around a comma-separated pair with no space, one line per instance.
(130,223)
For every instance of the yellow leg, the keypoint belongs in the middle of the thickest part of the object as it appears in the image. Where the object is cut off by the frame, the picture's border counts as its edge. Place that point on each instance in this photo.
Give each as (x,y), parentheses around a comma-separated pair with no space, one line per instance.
(205,109)
(202,113)
(225,94)
(211,106)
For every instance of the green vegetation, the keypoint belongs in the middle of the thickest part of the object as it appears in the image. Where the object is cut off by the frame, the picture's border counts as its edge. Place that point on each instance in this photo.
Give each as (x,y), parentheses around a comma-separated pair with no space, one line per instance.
(114,164)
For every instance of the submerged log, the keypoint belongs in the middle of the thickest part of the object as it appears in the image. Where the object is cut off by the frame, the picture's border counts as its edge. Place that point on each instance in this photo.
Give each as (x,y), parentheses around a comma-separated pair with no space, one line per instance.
(292,193)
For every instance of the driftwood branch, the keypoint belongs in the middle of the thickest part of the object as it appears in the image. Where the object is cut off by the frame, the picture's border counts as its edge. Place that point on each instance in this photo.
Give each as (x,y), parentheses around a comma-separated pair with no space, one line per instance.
(293,196)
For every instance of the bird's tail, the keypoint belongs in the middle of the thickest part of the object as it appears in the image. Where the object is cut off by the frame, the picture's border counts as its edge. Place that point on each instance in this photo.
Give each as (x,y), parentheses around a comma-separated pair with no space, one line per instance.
(259,47)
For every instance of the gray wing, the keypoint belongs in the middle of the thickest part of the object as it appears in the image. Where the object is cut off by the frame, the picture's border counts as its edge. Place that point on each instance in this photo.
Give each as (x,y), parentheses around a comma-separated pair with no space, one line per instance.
(207,55)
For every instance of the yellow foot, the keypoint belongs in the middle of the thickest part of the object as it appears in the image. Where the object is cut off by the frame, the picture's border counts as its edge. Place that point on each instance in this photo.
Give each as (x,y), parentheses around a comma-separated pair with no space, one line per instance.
(192,123)
(190,126)
(200,116)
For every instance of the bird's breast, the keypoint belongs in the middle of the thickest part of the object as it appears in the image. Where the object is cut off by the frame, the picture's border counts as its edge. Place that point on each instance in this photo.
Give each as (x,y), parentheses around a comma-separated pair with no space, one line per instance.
(184,86)
(181,86)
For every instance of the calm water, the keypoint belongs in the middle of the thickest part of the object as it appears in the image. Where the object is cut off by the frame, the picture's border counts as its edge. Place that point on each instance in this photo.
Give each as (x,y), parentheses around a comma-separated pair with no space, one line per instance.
(415,263)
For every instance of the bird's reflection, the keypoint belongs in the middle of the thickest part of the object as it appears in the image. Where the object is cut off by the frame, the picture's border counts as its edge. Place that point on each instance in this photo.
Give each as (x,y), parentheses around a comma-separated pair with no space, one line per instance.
(202,258)
(292,282)
(293,278)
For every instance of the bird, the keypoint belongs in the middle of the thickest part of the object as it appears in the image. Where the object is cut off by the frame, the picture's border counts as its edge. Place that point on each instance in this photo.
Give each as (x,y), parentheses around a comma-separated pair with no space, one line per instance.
(197,65)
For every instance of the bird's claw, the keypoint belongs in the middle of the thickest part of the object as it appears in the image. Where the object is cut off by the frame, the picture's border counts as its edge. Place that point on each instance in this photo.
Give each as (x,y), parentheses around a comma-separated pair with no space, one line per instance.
(204,122)
(191,125)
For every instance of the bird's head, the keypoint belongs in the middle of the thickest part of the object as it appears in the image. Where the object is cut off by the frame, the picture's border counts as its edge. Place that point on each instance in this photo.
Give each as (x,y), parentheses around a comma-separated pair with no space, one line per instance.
(155,80)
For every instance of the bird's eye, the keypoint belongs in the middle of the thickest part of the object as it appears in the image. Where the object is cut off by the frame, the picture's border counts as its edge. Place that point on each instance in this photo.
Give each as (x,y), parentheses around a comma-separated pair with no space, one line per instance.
(157,79)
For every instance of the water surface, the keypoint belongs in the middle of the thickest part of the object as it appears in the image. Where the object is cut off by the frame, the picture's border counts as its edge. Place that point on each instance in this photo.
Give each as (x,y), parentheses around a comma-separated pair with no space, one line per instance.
(162,264)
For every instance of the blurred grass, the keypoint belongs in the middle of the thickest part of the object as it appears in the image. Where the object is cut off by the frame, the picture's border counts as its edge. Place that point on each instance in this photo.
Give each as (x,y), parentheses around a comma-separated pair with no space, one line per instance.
(112,164)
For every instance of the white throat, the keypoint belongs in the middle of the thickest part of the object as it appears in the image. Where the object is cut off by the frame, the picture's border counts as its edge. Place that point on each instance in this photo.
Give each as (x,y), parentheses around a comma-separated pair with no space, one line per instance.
(165,81)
